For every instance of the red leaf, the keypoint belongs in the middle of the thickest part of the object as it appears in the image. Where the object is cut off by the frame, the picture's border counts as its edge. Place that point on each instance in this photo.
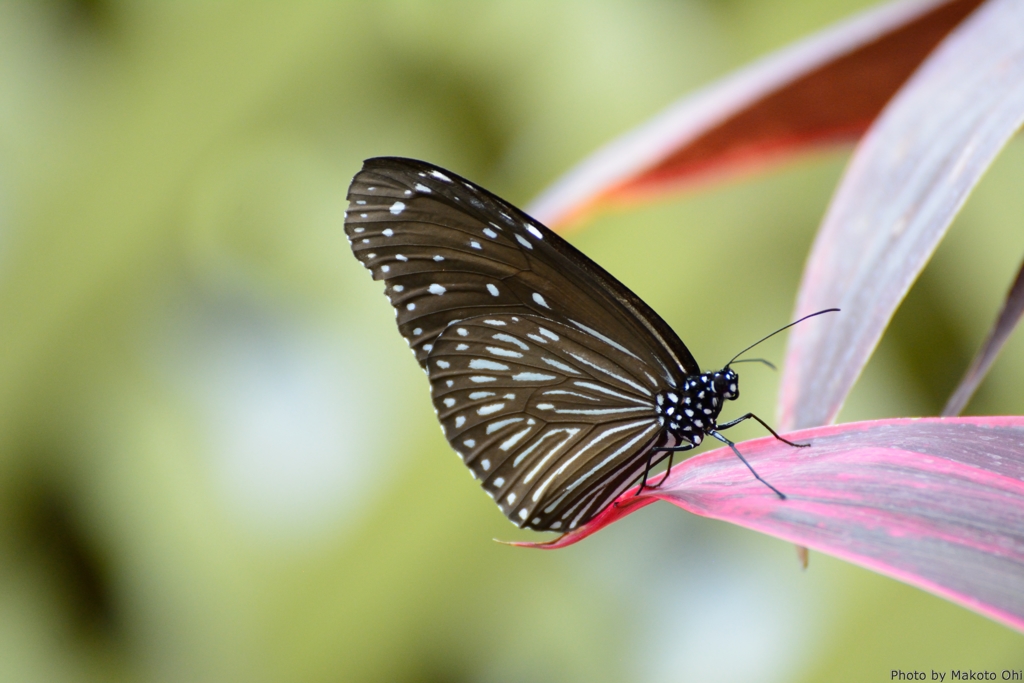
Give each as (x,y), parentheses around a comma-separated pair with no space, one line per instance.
(937,503)
(907,181)
(824,90)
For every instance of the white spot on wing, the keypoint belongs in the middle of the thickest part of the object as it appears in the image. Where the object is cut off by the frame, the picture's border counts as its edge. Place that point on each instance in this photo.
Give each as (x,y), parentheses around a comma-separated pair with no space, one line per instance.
(509,339)
(498,351)
(440,176)
(535,232)
(388,232)
(484,364)
(480,379)
(490,233)
(436,289)
(490,409)
(523,241)
(459,421)
(532,377)
(495,426)
(540,300)
(397,208)
(492,289)
(420,187)
(475,244)
(477,395)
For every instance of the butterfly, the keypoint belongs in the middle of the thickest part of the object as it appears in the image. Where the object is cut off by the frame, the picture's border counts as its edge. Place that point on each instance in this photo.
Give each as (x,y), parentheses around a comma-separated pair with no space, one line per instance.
(555,384)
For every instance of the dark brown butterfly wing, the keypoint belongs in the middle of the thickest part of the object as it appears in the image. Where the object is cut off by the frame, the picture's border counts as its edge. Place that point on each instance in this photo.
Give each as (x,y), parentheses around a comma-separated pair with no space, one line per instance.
(543,367)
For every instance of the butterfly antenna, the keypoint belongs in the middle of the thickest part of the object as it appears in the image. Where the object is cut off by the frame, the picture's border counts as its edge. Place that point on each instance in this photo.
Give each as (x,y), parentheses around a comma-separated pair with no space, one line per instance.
(786,327)
(755,360)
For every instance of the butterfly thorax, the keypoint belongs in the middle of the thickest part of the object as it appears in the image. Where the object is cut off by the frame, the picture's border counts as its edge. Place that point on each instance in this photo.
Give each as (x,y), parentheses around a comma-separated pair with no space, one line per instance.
(692,412)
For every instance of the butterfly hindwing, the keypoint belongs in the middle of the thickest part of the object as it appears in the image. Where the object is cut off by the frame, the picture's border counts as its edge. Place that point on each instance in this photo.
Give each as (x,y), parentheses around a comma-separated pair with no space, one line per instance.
(543,412)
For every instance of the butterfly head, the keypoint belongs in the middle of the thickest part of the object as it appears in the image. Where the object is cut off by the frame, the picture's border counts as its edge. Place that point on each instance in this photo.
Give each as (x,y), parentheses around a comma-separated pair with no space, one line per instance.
(726,383)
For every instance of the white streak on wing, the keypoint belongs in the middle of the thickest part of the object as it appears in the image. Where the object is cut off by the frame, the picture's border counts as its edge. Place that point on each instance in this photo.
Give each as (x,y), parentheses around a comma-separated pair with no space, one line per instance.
(605,390)
(509,339)
(499,323)
(570,432)
(420,187)
(489,409)
(580,451)
(600,411)
(561,392)
(532,377)
(534,231)
(606,340)
(495,426)
(484,364)
(523,241)
(480,379)
(498,351)
(514,439)
(537,339)
(560,365)
(625,447)
(608,372)
(440,176)
(548,333)
(535,446)
(477,395)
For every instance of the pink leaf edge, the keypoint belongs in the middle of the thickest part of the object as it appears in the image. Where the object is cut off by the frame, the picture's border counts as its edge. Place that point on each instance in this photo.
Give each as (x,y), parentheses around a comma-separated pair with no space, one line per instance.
(937,503)
(907,181)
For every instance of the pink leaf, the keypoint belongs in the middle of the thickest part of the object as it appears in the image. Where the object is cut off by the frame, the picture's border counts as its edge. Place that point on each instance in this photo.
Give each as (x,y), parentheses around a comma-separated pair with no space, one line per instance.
(937,503)
(906,182)
(1005,322)
(824,90)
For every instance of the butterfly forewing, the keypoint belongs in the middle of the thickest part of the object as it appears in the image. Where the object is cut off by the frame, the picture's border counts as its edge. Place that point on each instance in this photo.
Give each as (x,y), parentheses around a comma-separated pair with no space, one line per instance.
(544,368)
(542,412)
(448,250)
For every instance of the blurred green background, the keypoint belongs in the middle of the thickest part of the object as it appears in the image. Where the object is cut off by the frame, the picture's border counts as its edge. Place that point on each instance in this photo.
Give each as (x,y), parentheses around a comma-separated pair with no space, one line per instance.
(218,461)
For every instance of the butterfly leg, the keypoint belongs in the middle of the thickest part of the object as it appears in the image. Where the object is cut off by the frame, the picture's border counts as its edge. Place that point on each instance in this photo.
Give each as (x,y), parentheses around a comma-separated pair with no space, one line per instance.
(764,424)
(739,455)
(650,458)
